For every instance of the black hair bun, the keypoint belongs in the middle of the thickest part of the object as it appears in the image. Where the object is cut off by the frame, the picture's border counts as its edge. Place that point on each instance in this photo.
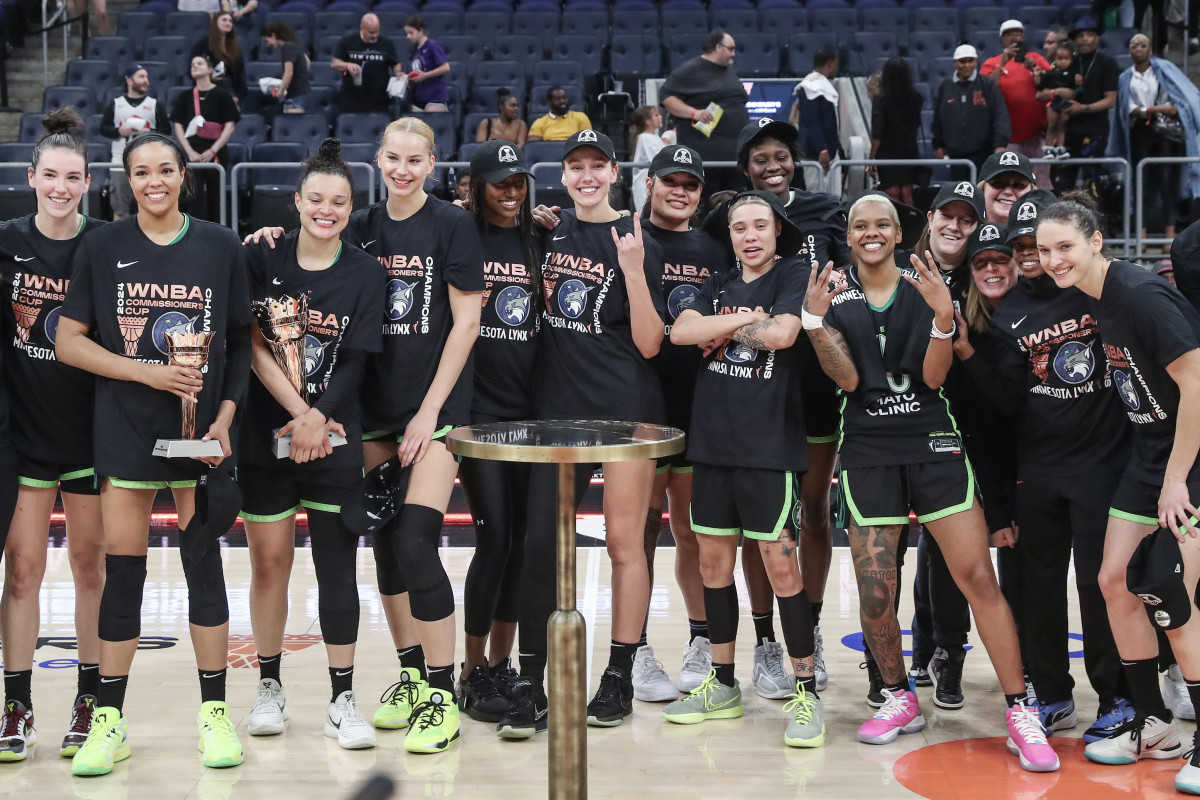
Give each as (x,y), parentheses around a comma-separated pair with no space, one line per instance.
(61,120)
(330,150)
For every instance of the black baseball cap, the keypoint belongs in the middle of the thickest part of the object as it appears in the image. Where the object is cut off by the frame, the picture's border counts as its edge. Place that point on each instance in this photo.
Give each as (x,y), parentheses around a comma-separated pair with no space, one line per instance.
(590,138)
(1023,216)
(1155,574)
(1008,161)
(218,503)
(677,158)
(763,128)
(963,192)
(988,236)
(790,238)
(377,500)
(497,160)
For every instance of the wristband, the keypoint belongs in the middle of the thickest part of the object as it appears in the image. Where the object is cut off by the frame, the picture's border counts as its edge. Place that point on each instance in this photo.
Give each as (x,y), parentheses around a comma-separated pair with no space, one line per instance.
(810,322)
(937,334)
(692,115)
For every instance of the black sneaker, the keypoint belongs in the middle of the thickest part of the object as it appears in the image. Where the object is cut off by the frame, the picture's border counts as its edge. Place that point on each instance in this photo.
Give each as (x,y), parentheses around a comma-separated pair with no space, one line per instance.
(875,677)
(528,713)
(505,677)
(946,668)
(613,701)
(480,698)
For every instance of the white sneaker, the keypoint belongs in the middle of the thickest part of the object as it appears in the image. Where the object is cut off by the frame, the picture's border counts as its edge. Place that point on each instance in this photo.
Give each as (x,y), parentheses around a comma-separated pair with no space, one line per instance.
(270,709)
(697,661)
(650,681)
(819,671)
(771,680)
(1139,738)
(1175,694)
(344,723)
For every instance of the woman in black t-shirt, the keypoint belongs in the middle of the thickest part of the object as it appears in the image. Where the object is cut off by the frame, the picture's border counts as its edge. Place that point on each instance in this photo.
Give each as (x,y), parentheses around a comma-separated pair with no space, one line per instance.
(344,291)
(203,120)
(156,274)
(505,353)
(294,93)
(51,434)
(1151,337)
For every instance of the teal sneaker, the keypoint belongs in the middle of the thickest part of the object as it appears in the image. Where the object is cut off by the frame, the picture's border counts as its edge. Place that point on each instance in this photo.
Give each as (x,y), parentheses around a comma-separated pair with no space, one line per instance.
(806,720)
(710,700)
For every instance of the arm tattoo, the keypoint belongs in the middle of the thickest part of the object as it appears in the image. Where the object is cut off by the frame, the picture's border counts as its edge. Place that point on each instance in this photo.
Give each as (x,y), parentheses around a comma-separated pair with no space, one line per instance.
(749,334)
(834,354)
(874,553)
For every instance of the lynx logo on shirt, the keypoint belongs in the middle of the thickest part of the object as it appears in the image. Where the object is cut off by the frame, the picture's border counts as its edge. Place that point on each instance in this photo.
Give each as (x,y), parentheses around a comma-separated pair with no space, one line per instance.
(1128,378)
(404,274)
(314,354)
(512,305)
(681,297)
(572,298)
(1074,362)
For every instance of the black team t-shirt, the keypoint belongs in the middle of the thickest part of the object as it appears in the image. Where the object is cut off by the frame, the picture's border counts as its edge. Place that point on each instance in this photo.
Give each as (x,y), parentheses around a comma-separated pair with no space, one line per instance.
(376,58)
(130,291)
(1071,422)
(51,402)
(424,255)
(892,418)
(510,321)
(344,305)
(689,259)
(1145,325)
(589,366)
(749,404)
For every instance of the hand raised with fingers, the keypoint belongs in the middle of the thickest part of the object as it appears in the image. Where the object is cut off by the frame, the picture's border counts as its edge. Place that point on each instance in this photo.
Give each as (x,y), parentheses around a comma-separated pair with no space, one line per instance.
(819,295)
(631,249)
(932,287)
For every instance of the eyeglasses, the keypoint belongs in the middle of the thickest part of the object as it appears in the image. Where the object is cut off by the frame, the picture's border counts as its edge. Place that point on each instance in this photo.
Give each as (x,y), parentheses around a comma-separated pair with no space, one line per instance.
(1019,184)
(730,47)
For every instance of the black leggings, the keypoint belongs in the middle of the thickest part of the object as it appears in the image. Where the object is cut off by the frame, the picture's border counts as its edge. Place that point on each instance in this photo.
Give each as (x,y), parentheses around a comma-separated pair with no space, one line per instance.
(335,554)
(498,495)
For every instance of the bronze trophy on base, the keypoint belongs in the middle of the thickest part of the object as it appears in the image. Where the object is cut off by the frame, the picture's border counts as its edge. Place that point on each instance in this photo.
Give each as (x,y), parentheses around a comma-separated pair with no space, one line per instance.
(187,349)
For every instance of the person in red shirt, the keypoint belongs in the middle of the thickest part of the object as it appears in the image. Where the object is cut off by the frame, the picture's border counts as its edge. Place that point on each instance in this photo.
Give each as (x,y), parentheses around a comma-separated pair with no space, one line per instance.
(1013,69)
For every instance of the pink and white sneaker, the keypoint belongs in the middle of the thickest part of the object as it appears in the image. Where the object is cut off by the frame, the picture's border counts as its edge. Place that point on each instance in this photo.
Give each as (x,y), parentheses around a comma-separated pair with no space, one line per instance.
(1027,739)
(900,713)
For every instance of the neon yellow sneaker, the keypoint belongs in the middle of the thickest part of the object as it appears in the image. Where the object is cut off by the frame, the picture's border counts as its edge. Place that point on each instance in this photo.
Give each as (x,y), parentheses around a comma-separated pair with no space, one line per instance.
(106,744)
(218,739)
(434,724)
(399,700)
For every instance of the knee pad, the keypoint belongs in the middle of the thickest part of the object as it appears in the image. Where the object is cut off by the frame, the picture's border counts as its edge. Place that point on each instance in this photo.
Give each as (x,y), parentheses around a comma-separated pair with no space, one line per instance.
(208,605)
(121,603)
(387,567)
(417,531)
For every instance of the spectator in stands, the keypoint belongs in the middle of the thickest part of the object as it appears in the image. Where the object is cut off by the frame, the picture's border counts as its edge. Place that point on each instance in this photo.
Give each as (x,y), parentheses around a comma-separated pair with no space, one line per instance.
(366,62)
(1063,80)
(895,121)
(462,189)
(429,90)
(238,8)
(970,119)
(1158,10)
(1087,115)
(207,6)
(644,143)
(1054,37)
(815,109)
(222,48)
(696,87)
(204,119)
(507,125)
(125,117)
(1013,71)
(293,94)
(560,123)
(1157,114)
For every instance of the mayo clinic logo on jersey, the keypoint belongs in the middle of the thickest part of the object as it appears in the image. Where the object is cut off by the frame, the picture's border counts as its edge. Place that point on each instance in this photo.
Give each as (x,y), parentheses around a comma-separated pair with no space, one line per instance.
(572,297)
(512,305)
(1010,160)
(506,155)
(965,189)
(681,297)
(682,156)
(400,299)
(314,354)
(1074,362)
(171,322)
(739,353)
(51,324)
(989,233)
(587,135)
(1125,389)
(1027,212)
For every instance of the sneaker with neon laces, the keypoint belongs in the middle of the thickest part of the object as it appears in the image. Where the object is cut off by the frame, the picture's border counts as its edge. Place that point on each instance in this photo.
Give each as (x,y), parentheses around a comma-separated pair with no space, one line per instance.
(770,679)
(819,670)
(435,722)
(218,743)
(1108,720)
(269,715)
(1187,780)
(529,712)
(1027,738)
(1175,694)
(480,696)
(344,723)
(399,700)
(806,720)
(697,663)
(1141,737)
(81,724)
(1058,716)
(107,743)
(613,701)
(650,681)
(17,734)
(710,700)
(901,713)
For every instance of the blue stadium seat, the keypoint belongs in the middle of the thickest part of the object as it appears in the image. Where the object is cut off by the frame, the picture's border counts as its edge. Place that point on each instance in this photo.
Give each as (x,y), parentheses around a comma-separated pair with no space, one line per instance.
(558,71)
(117,49)
(138,26)
(875,44)
(932,18)
(683,23)
(683,47)
(585,49)
(1040,17)
(840,22)
(391,23)
(586,23)
(782,20)
(467,148)
(526,49)
(487,25)
(321,74)
(538,6)
(81,97)
(188,24)
(542,24)
(482,97)
(444,133)
(1115,41)
(175,50)
(802,47)
(758,55)
(545,152)
(323,99)
(635,56)
(163,76)
(938,70)
(459,76)
(984,18)
(930,44)
(718,5)
(250,130)
(820,5)
(362,152)
(308,130)
(643,21)
(361,127)
(500,6)
(986,41)
(892,20)
(467,49)
(346,6)
(30,128)
(470,124)
(442,23)
(734,21)
(249,32)
(334,23)
(926,93)
(299,22)
(17,153)
(403,7)
(326,46)
(511,74)
(96,74)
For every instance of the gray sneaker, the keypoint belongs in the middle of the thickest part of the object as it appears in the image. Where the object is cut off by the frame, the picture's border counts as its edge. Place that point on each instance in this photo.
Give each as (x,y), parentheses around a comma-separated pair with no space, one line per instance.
(710,700)
(697,663)
(770,679)
(806,720)
(819,670)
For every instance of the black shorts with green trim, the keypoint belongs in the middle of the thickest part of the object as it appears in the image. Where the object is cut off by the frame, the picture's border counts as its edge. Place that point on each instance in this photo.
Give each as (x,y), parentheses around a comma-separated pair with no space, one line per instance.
(822,407)
(726,501)
(270,495)
(70,478)
(398,436)
(676,463)
(1136,500)
(885,495)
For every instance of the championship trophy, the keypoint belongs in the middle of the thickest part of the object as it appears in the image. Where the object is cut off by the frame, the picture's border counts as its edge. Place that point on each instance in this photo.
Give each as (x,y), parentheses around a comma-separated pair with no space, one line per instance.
(187,349)
(284,323)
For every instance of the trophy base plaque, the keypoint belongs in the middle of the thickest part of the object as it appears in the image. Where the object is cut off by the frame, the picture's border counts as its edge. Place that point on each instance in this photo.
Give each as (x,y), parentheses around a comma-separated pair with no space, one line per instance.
(187,448)
(283,447)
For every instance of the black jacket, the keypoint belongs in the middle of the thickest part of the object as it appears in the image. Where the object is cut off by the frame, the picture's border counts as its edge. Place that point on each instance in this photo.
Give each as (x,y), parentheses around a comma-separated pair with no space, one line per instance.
(969,118)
